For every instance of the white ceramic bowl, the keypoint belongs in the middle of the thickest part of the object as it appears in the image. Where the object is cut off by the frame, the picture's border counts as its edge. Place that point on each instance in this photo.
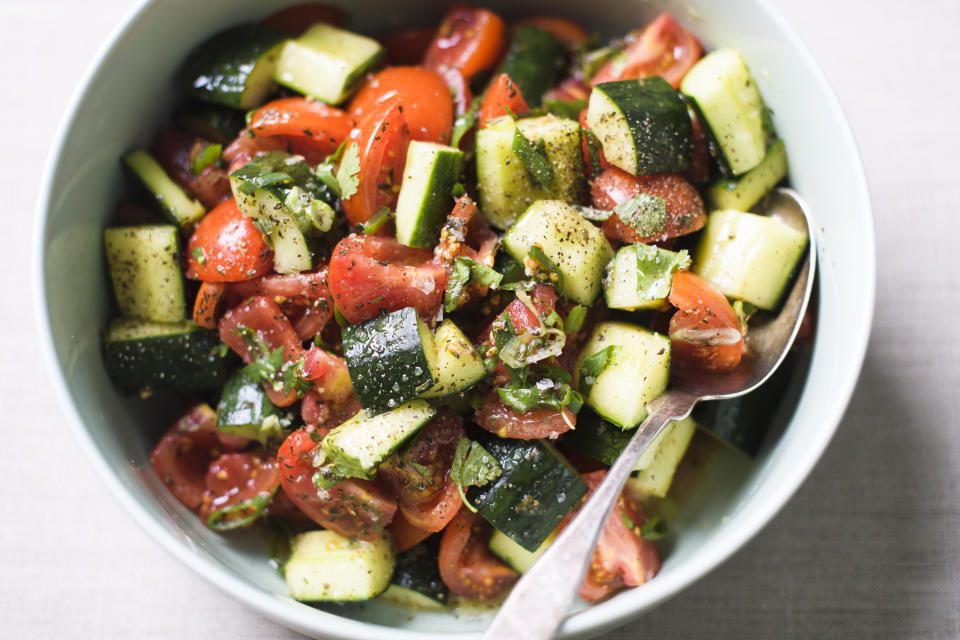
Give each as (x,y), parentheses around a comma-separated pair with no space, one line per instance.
(127,95)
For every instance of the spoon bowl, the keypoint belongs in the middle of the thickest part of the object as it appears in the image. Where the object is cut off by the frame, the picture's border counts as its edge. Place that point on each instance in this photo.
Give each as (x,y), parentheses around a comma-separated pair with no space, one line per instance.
(549,587)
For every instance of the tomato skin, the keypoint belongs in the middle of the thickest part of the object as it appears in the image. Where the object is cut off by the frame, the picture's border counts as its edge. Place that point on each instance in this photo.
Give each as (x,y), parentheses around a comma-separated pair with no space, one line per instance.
(175,152)
(205,308)
(329,375)
(246,147)
(496,417)
(698,172)
(408,46)
(501,99)
(183,455)
(356,509)
(370,274)
(664,48)
(227,247)
(324,414)
(566,31)
(419,472)
(382,138)
(434,514)
(315,126)
(235,477)
(300,17)
(705,331)
(685,210)
(466,565)
(469,40)
(467,234)
(304,297)
(424,97)
(523,319)
(405,535)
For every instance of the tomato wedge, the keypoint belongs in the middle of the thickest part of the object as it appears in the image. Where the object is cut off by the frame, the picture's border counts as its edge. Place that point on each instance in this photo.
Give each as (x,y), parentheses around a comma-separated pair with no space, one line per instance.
(424,97)
(466,234)
(234,479)
(566,31)
(496,417)
(205,308)
(419,472)
(227,247)
(300,17)
(370,274)
(466,565)
(381,141)
(685,210)
(353,508)
(175,152)
(405,535)
(705,331)
(304,298)
(502,98)
(183,456)
(664,48)
(313,125)
(469,40)
(329,376)
(246,147)
(323,414)
(408,46)
(434,514)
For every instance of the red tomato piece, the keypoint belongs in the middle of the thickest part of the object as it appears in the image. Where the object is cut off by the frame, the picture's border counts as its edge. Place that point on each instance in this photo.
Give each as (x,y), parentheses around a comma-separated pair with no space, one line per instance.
(205,308)
(466,234)
(466,565)
(700,161)
(502,98)
(329,375)
(685,210)
(424,96)
(370,274)
(469,40)
(570,90)
(705,331)
(496,417)
(227,247)
(175,152)
(434,514)
(315,127)
(245,147)
(566,31)
(184,454)
(382,139)
(459,89)
(304,297)
(409,46)
(300,17)
(405,535)
(664,48)
(356,509)
(235,477)
(325,414)
(419,473)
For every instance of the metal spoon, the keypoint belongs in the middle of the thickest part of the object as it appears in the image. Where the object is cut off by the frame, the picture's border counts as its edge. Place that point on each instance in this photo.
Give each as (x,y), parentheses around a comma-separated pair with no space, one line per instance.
(539,602)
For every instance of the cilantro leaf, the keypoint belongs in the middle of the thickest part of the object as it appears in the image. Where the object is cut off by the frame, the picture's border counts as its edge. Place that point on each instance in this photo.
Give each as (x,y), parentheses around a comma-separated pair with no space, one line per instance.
(555,276)
(545,393)
(744,311)
(534,158)
(646,214)
(197,254)
(207,156)
(348,171)
(654,528)
(467,271)
(655,269)
(575,319)
(473,466)
(325,173)
(271,367)
(628,523)
(593,365)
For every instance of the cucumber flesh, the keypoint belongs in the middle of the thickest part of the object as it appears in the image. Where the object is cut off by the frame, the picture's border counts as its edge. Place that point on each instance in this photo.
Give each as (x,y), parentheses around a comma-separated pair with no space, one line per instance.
(325,566)
(458,366)
(425,199)
(245,410)
(744,192)
(653,473)
(144,265)
(172,200)
(515,556)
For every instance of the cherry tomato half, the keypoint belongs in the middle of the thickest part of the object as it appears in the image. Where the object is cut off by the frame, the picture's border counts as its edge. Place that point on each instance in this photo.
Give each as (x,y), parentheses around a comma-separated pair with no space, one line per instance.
(704,331)
(469,40)
(466,565)
(424,97)
(227,247)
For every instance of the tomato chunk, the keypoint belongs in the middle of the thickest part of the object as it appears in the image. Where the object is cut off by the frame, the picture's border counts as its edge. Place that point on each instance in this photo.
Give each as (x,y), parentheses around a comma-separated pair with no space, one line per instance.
(705,331)
(419,472)
(466,565)
(405,535)
(566,31)
(424,96)
(496,417)
(469,40)
(237,477)
(370,274)
(227,247)
(408,46)
(313,125)
(502,98)
(205,308)
(304,297)
(175,152)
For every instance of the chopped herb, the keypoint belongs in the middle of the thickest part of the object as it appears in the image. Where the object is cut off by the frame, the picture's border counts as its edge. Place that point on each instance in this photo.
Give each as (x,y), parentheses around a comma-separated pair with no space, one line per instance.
(348,171)
(242,514)
(534,158)
(464,122)
(593,365)
(271,367)
(655,269)
(575,319)
(553,271)
(467,271)
(209,155)
(569,109)
(654,528)
(473,466)
(338,316)
(197,253)
(744,311)
(377,220)
(546,393)
(458,190)
(325,173)
(519,285)
(593,152)
(646,214)
(627,521)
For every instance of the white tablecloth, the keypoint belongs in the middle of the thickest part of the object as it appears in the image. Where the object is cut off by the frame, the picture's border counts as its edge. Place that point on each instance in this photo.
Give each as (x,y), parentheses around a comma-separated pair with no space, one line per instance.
(868,547)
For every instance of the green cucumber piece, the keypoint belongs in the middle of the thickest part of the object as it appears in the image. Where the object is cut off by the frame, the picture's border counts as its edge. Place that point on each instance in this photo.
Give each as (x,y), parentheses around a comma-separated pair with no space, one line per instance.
(359,445)
(391,359)
(504,185)
(325,566)
(749,257)
(211,122)
(535,61)
(326,62)
(595,437)
(170,198)
(726,95)
(579,250)
(235,67)
(245,410)
(144,265)
(429,175)
(515,556)
(416,582)
(747,190)
(142,356)
(653,472)
(535,491)
(457,366)
(643,125)
(635,264)
(638,374)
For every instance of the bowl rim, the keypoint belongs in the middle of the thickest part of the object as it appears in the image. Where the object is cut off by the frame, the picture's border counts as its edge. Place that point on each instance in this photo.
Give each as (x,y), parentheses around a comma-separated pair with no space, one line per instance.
(595,619)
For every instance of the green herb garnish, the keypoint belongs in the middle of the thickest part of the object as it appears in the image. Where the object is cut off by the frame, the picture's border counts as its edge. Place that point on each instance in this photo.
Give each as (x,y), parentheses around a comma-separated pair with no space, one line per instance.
(593,365)
(209,155)
(348,171)
(467,271)
(377,220)
(534,158)
(655,269)
(239,515)
(654,528)
(646,214)
(473,466)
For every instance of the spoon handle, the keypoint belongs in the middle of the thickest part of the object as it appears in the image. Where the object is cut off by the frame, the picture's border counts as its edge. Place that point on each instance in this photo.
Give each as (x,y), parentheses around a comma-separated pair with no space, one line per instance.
(539,602)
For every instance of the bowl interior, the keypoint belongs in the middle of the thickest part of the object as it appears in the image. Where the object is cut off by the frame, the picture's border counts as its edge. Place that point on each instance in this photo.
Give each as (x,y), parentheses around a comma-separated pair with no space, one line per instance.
(126,99)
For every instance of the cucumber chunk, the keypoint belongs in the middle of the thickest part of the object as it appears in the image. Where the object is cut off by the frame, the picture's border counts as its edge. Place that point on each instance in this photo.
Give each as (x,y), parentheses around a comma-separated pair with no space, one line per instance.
(245,410)
(749,257)
(235,67)
(744,192)
(535,61)
(326,62)
(637,375)
(416,582)
(144,265)
(504,185)
(425,199)
(360,444)
(325,566)
(515,556)
(579,250)
(726,95)
(458,366)
(172,200)
(639,277)
(643,125)
(653,473)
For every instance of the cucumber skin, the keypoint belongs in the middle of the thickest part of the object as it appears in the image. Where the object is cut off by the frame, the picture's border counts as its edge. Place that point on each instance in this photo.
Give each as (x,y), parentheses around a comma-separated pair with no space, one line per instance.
(535,61)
